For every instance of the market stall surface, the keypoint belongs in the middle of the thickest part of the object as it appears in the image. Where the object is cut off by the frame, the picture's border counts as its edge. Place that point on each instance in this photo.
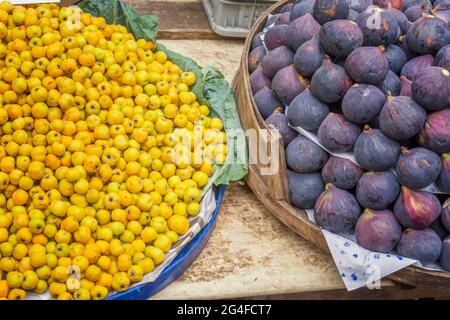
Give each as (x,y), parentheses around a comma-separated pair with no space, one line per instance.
(250,253)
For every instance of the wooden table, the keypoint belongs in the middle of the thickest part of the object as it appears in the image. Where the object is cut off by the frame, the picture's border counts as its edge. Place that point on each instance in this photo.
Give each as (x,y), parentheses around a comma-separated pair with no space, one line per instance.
(250,253)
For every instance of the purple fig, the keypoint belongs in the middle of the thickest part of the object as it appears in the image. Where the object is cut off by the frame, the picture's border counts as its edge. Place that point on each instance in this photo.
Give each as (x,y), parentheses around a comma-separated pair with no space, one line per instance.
(286,8)
(276,60)
(284,18)
(287,84)
(418,167)
(444,258)
(305,188)
(401,42)
(337,134)
(397,4)
(378,27)
(279,121)
(416,66)
(428,35)
(341,172)
(303,155)
(276,36)
(360,5)
(255,58)
(423,245)
(306,111)
(401,117)
(405,87)
(256,41)
(378,231)
(445,215)
(416,209)
(340,37)
(442,58)
(406,4)
(415,12)
(377,189)
(301,8)
(391,84)
(395,57)
(309,57)
(266,102)
(431,88)
(301,30)
(330,82)
(259,80)
(374,151)
(336,210)
(401,19)
(443,180)
(436,132)
(362,103)
(327,10)
(442,5)
(443,15)
(367,65)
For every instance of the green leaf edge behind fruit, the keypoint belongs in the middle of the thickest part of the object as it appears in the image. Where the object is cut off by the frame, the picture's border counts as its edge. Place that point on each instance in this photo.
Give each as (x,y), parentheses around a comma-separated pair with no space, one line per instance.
(210,88)
(118,12)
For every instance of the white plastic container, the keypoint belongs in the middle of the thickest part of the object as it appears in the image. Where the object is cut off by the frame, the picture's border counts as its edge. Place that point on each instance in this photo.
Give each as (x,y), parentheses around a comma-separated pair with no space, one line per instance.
(234,18)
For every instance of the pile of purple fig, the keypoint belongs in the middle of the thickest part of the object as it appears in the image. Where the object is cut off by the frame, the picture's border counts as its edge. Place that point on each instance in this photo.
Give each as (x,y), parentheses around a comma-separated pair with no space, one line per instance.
(367,77)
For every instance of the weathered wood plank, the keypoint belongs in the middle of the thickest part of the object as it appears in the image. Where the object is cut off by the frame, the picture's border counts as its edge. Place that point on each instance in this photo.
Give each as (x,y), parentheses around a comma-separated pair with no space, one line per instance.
(178,19)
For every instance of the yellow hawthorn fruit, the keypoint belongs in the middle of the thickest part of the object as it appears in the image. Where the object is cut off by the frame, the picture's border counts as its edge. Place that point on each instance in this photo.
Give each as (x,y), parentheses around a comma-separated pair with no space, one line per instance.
(98,132)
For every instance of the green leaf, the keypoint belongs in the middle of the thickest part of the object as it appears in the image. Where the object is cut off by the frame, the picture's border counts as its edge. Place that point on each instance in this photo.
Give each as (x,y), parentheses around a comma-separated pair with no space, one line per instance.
(118,12)
(210,88)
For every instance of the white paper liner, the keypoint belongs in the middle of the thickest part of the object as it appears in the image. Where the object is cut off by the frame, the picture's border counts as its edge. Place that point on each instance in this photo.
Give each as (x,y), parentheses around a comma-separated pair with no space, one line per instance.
(197,223)
(359,267)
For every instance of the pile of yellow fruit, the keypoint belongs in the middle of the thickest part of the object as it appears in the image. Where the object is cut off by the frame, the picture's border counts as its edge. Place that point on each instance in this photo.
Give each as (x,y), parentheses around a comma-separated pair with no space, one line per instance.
(104,152)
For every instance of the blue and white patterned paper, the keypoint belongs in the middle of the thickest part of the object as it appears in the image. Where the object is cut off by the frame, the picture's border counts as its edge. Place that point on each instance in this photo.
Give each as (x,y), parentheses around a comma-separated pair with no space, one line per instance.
(359,267)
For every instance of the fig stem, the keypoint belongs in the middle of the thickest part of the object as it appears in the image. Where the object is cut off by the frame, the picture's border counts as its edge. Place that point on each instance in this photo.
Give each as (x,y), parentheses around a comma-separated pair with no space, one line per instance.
(278,110)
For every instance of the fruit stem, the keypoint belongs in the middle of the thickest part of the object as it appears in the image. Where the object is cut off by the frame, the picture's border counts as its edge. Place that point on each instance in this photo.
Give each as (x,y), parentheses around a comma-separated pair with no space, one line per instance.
(367,127)
(278,110)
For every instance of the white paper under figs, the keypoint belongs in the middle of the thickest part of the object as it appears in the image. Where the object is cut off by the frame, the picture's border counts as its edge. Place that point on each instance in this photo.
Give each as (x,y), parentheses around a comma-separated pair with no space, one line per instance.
(359,267)
(208,205)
